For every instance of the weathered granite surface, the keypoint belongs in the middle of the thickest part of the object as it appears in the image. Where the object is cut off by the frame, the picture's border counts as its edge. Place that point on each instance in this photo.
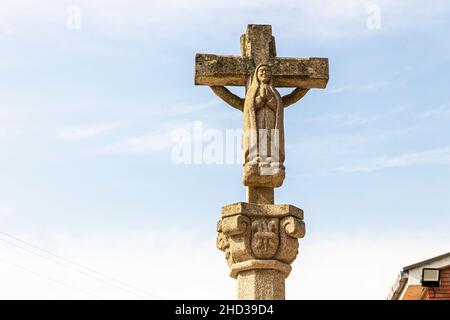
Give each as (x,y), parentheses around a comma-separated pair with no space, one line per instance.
(261,71)
(258,237)
(260,242)
(214,70)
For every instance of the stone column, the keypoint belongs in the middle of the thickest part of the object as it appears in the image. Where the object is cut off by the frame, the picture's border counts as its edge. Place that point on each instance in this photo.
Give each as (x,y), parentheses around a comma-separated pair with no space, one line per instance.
(260,242)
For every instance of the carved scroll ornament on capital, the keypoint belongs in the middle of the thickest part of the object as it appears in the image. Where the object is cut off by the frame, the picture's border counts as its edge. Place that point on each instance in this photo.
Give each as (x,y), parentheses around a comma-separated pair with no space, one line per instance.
(243,238)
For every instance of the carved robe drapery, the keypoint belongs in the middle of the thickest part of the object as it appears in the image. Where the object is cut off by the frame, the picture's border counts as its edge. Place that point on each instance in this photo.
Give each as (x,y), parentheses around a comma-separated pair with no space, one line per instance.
(263,121)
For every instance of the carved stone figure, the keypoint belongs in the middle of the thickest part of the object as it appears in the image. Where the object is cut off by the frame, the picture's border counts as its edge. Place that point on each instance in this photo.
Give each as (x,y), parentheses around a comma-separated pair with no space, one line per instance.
(263,139)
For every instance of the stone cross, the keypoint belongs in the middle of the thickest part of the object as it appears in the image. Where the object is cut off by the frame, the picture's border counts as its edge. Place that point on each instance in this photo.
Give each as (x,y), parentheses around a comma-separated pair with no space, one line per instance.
(260,238)
(261,176)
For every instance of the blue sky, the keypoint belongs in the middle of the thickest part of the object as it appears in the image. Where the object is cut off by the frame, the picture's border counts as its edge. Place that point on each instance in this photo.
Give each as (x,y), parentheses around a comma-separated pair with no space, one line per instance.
(86,115)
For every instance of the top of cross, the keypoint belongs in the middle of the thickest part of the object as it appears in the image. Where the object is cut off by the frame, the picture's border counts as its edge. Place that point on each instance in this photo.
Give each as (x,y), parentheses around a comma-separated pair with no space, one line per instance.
(258,46)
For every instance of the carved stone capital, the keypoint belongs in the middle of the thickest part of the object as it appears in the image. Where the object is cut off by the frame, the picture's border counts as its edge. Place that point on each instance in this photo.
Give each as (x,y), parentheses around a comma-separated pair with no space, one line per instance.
(260,236)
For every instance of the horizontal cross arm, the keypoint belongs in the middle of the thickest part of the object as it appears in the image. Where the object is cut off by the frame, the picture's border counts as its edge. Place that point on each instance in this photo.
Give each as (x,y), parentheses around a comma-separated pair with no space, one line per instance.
(300,72)
(214,70)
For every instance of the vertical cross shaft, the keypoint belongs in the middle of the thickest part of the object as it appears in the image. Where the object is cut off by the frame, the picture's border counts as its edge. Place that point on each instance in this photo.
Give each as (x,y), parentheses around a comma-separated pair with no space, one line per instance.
(261,195)
(258,44)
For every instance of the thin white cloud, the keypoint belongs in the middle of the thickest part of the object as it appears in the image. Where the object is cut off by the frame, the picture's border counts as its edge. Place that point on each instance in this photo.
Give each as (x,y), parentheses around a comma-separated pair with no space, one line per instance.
(159,139)
(345,119)
(439,156)
(324,18)
(441,111)
(358,88)
(85,132)
(140,144)
(181,109)
(355,118)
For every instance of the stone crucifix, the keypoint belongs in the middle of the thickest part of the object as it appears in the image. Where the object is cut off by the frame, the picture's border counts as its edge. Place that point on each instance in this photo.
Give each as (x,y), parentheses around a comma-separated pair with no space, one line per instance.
(260,238)
(261,71)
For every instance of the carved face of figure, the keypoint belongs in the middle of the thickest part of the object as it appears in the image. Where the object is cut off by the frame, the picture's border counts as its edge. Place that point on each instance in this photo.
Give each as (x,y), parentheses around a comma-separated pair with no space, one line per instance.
(264,74)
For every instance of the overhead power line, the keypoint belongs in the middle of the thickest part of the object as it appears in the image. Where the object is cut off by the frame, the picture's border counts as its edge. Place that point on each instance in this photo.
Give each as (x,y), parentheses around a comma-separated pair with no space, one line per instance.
(89,272)
(48,278)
